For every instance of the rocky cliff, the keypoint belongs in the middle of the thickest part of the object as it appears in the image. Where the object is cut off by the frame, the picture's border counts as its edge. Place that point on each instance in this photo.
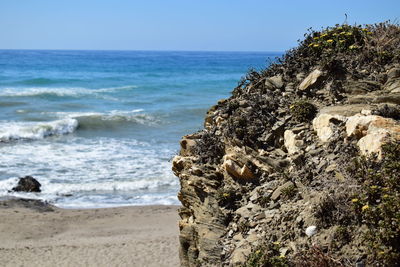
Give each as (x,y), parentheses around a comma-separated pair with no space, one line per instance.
(300,166)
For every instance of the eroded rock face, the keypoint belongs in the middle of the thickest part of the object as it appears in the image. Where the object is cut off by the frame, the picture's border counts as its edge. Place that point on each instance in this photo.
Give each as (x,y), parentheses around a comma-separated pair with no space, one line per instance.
(258,175)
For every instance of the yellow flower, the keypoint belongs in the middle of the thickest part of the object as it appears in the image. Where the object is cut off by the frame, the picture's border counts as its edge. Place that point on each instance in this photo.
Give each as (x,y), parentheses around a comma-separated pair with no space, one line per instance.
(315,45)
(308,46)
(342,33)
(369,32)
(385,196)
(258,251)
(282,256)
(276,243)
(365,207)
(329,41)
(354,200)
(373,186)
(342,41)
(349,34)
(225,194)
(353,47)
(316,38)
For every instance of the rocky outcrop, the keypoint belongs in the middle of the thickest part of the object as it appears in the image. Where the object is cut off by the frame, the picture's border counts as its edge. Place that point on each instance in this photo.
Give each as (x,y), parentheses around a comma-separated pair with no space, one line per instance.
(27,184)
(271,179)
(371,131)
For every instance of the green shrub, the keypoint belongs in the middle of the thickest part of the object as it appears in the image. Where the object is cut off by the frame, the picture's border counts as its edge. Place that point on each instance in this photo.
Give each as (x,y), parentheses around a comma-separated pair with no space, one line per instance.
(303,111)
(266,255)
(378,204)
(289,192)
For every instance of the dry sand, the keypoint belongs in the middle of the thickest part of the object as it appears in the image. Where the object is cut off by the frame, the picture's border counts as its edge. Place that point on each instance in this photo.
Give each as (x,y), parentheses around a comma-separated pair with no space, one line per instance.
(33,235)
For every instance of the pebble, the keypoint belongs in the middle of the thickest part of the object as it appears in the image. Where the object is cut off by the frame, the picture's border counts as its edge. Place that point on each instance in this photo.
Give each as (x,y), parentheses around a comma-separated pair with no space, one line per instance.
(311,230)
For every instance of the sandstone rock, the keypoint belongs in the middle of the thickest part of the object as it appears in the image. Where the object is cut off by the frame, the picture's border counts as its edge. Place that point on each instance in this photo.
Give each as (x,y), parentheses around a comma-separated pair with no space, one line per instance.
(292,142)
(274,82)
(236,171)
(27,184)
(345,110)
(312,79)
(322,125)
(358,125)
(372,131)
(372,143)
(380,131)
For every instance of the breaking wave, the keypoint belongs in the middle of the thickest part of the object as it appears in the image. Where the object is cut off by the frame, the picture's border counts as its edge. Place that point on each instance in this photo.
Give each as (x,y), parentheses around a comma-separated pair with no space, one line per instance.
(11,131)
(70,122)
(59,91)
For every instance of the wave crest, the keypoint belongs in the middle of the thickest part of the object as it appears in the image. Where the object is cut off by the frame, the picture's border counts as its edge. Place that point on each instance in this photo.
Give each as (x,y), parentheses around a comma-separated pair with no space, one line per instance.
(112,119)
(60,91)
(11,131)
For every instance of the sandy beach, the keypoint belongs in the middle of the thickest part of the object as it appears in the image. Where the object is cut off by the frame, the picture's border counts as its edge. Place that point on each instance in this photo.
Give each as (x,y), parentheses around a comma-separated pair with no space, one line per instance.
(33,234)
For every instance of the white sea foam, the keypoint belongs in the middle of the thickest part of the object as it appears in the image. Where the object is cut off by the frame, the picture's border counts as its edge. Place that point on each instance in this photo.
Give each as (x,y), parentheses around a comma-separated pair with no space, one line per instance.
(59,91)
(87,202)
(59,189)
(10,131)
(97,172)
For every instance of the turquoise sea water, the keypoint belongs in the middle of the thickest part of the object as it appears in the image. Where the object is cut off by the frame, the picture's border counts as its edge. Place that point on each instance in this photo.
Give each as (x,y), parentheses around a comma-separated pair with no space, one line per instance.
(99,128)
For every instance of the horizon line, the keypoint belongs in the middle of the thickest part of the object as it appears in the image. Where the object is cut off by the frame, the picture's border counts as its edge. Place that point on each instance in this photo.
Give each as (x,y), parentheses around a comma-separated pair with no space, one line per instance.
(139,50)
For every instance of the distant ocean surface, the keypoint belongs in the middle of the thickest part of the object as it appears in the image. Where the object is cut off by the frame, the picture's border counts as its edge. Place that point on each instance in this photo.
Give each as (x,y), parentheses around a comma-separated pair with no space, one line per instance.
(99,128)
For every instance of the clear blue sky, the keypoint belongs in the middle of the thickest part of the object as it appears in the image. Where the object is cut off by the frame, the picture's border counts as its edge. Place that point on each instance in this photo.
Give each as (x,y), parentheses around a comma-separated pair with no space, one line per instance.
(222,25)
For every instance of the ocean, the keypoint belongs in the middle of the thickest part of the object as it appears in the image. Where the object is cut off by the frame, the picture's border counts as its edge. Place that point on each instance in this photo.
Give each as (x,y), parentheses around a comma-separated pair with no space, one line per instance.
(99,128)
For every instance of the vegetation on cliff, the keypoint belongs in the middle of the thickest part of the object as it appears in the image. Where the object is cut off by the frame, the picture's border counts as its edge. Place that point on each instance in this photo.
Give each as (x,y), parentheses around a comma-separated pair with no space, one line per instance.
(300,166)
